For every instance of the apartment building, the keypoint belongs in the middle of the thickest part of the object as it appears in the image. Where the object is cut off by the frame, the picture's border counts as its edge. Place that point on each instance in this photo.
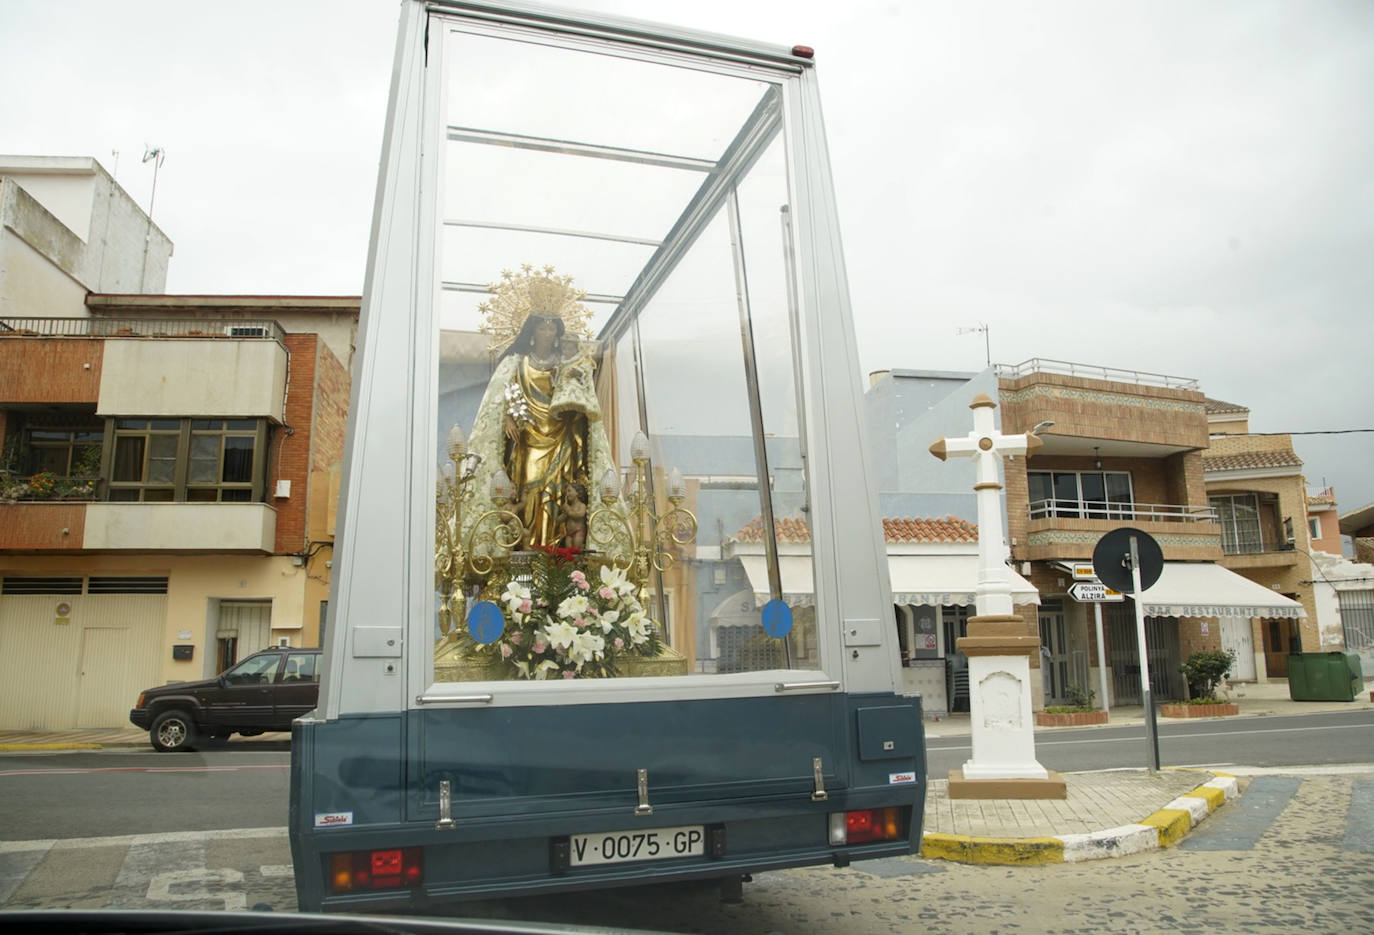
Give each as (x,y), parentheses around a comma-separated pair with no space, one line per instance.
(1122,448)
(1285,535)
(1256,486)
(168,464)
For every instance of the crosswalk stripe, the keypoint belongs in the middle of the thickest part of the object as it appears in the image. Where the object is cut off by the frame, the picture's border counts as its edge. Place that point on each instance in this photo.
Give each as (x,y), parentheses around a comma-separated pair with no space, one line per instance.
(1240,826)
(1359,823)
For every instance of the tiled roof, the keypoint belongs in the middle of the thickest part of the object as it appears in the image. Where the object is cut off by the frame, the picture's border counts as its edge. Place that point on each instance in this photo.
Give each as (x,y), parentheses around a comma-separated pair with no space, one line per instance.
(949,529)
(1250,460)
(1217,406)
(1322,499)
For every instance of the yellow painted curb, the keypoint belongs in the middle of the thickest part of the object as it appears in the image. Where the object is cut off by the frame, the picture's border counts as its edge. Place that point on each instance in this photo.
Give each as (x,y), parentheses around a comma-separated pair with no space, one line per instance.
(50,746)
(1215,798)
(1171,823)
(1018,852)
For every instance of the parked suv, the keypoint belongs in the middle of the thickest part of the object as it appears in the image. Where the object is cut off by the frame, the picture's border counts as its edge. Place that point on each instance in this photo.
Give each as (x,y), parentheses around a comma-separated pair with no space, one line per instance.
(266,691)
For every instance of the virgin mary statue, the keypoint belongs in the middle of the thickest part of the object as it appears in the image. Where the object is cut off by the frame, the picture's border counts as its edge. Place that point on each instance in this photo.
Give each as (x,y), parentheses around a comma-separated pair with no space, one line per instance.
(539,418)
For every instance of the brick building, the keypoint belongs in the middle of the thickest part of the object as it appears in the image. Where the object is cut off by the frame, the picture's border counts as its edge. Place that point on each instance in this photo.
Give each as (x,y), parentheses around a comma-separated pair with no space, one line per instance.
(168,464)
(1122,448)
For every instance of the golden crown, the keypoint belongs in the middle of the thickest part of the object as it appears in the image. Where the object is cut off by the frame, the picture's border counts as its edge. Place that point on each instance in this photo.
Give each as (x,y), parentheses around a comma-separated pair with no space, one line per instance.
(532,292)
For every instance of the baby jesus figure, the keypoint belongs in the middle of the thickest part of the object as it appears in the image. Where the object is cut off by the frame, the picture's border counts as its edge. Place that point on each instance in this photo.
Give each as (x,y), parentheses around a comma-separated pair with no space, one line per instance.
(574,517)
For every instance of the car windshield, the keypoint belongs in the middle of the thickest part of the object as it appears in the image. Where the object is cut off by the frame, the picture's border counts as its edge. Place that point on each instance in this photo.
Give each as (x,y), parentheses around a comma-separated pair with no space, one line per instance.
(254,671)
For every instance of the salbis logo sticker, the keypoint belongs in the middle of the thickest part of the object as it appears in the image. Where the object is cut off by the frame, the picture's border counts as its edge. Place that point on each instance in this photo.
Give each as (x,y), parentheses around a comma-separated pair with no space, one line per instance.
(330,819)
(898,779)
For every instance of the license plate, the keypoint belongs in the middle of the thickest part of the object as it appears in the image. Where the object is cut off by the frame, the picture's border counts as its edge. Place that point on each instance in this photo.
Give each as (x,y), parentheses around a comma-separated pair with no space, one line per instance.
(614,847)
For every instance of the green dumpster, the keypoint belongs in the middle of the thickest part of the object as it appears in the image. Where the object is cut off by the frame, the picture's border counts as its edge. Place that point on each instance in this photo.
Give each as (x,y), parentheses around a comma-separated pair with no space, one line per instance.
(1324,676)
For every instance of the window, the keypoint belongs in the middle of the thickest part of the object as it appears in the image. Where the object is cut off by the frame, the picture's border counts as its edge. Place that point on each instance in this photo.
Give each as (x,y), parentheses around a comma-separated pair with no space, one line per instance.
(66,452)
(300,667)
(635,368)
(1240,523)
(222,453)
(1085,494)
(255,670)
(1314,526)
(200,460)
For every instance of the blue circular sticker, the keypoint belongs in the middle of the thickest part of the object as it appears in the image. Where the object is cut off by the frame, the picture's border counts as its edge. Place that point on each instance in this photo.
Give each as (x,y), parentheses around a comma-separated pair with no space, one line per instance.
(777,619)
(486,622)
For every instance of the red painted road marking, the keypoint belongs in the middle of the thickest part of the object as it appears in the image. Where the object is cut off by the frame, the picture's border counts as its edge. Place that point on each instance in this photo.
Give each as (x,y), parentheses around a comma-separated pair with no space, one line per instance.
(136,769)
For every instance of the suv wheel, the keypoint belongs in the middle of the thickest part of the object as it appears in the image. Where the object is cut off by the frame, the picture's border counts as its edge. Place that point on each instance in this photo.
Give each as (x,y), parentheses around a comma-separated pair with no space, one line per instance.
(173,731)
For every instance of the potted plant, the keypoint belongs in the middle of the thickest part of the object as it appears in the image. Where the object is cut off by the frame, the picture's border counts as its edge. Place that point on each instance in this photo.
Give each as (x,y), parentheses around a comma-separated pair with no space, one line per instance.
(1079,712)
(1204,671)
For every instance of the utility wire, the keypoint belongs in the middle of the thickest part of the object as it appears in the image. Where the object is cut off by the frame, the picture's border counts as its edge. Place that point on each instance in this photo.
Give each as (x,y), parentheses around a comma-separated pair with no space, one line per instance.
(1317,432)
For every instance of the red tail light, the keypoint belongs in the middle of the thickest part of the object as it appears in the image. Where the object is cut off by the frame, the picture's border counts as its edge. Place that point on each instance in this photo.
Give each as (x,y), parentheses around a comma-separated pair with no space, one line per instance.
(873,824)
(390,868)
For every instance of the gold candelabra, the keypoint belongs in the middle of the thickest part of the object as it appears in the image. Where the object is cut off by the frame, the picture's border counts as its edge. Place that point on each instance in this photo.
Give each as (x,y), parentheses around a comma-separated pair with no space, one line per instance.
(646,536)
(491,536)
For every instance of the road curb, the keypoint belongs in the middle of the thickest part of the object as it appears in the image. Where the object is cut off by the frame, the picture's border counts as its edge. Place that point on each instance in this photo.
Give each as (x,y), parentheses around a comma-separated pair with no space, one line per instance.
(21,747)
(1162,828)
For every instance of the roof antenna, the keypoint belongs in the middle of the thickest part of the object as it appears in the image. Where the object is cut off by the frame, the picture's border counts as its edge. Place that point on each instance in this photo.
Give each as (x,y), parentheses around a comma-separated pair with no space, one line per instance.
(987,345)
(157,155)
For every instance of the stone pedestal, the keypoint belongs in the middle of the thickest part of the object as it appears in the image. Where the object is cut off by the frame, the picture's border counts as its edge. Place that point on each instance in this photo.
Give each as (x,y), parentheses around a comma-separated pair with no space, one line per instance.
(1002,719)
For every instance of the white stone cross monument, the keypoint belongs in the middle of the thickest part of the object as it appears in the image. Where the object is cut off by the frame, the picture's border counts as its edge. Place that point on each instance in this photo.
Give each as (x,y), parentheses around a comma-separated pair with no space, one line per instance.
(998,645)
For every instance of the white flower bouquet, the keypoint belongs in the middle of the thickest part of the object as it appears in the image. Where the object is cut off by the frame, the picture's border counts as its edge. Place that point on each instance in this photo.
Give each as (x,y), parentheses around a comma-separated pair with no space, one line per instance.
(566,625)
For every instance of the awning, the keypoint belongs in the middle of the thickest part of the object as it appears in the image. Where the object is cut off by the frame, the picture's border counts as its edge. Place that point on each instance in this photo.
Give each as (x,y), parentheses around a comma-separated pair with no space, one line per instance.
(929,580)
(1201,589)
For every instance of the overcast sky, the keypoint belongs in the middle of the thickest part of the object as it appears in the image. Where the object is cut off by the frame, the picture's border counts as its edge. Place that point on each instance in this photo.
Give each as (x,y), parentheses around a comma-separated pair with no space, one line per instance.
(1183,188)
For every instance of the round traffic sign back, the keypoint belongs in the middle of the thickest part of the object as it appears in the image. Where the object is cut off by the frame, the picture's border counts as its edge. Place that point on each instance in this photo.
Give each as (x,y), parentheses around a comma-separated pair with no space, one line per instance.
(1112,559)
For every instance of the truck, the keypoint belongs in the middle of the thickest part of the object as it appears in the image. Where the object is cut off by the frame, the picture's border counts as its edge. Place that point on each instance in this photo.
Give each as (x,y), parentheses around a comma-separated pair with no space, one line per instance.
(610,602)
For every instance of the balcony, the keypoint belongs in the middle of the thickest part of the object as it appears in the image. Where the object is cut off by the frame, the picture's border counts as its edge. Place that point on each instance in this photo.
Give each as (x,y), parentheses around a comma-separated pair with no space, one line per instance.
(1070,529)
(1126,413)
(146,367)
(1121,512)
(1249,550)
(66,526)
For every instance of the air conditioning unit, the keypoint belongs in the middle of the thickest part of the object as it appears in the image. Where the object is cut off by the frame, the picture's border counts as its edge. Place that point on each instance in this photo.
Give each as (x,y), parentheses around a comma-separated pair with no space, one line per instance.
(246,331)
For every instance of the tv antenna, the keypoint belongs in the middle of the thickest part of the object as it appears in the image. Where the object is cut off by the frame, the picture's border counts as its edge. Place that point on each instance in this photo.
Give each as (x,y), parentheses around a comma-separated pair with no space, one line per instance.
(975,329)
(157,156)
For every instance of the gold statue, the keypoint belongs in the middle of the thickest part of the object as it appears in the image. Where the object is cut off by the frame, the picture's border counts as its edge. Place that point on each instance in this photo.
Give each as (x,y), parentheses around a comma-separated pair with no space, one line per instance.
(539,419)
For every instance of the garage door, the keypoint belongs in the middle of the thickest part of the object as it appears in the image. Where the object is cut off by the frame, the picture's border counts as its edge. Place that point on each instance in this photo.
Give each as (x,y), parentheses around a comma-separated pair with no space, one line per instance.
(75,652)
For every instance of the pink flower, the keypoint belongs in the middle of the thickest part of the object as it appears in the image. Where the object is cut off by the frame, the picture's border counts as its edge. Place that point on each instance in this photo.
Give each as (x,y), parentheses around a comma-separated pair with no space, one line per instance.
(525,607)
(578,576)
(538,646)
(582,584)
(515,638)
(505,650)
(606,594)
(569,674)
(619,643)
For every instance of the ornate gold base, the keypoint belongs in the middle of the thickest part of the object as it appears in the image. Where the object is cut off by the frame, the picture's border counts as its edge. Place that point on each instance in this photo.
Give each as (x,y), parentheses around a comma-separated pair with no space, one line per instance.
(450,666)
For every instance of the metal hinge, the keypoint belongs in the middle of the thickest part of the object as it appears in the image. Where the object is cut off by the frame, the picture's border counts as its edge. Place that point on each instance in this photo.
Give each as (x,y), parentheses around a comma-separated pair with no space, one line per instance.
(818,794)
(642,785)
(445,821)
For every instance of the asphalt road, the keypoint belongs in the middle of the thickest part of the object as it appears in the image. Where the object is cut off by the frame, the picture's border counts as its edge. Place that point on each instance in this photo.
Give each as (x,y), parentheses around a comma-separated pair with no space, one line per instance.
(139,791)
(1293,854)
(1288,740)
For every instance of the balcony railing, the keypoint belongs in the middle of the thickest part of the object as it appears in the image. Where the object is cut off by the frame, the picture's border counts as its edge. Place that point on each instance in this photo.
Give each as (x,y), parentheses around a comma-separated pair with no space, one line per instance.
(238,329)
(1144,378)
(1101,509)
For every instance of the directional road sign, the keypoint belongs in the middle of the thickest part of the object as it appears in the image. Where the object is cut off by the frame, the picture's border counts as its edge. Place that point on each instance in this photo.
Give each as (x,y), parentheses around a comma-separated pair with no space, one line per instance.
(1090,592)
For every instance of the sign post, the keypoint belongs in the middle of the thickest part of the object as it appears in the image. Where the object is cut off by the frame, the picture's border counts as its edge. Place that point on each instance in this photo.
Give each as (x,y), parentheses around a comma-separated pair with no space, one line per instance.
(1101,656)
(1096,593)
(1130,560)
